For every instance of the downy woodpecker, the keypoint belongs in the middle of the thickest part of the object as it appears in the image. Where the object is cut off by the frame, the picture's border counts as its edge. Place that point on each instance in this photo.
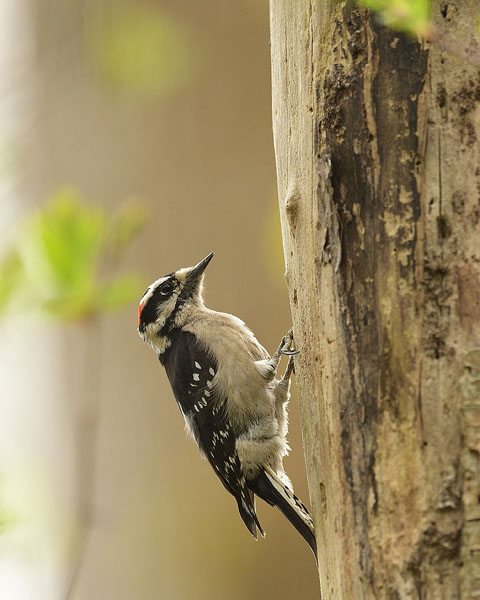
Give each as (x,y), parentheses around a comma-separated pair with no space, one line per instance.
(225,384)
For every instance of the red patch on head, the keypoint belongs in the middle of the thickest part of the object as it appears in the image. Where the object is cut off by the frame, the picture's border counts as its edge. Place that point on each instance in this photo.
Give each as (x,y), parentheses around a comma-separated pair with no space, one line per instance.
(140,308)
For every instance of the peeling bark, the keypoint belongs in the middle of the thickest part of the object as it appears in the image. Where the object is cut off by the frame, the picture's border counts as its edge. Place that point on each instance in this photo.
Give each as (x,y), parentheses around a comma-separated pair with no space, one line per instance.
(378,161)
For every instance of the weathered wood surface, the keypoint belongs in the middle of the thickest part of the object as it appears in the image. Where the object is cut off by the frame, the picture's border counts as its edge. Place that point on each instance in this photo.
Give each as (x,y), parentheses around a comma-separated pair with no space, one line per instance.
(378,161)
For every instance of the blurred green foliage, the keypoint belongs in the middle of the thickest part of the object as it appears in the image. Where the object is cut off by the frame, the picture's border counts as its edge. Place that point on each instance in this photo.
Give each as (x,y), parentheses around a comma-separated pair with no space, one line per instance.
(10,276)
(63,258)
(6,519)
(140,50)
(410,16)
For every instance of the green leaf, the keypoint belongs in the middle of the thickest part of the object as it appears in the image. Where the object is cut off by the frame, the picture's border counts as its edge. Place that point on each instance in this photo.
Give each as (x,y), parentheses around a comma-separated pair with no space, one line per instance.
(410,16)
(64,260)
(64,242)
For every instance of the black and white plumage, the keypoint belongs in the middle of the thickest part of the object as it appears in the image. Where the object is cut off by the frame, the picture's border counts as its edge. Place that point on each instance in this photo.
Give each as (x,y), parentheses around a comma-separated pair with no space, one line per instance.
(225,385)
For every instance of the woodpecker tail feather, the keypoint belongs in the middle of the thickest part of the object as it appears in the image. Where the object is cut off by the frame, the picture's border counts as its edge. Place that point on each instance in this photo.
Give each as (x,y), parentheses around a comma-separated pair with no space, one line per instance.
(246,508)
(269,487)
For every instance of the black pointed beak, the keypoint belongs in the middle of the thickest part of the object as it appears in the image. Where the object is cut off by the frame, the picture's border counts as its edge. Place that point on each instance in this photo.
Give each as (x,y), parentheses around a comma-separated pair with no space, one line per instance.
(197,271)
(194,276)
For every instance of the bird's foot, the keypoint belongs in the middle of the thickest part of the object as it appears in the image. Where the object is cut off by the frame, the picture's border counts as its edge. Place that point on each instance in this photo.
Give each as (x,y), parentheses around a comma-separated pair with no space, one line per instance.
(286,345)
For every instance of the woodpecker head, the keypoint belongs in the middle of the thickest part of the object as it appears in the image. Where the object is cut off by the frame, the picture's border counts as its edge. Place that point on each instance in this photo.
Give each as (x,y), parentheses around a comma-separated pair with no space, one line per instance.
(167,300)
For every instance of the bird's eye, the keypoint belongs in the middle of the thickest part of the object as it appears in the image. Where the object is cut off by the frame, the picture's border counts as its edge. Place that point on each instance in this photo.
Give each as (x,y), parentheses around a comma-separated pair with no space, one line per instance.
(166,288)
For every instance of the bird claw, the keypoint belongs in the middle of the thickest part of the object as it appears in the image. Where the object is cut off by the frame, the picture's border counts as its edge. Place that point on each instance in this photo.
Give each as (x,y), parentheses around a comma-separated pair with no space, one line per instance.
(285,346)
(289,352)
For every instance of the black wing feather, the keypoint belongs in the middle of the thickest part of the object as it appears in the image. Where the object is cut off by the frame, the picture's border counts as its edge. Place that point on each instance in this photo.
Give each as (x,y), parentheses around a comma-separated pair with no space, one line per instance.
(190,370)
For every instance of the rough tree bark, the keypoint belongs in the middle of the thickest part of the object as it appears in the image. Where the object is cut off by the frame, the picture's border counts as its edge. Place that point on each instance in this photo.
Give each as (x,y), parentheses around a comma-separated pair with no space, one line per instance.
(378,160)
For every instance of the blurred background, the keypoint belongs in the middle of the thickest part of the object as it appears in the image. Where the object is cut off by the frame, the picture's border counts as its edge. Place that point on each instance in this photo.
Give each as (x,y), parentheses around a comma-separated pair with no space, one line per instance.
(135,139)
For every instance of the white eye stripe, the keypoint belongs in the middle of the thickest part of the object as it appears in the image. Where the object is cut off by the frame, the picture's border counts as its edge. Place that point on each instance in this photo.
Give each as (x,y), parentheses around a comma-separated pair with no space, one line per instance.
(148,294)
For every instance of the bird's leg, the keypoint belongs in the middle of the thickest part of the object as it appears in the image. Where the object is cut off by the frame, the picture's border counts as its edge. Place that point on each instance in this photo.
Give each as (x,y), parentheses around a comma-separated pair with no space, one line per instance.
(268,367)
(289,370)
(284,348)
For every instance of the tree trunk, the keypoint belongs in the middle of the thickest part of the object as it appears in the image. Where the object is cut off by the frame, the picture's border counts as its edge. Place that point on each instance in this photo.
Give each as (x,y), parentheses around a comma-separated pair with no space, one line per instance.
(377,149)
